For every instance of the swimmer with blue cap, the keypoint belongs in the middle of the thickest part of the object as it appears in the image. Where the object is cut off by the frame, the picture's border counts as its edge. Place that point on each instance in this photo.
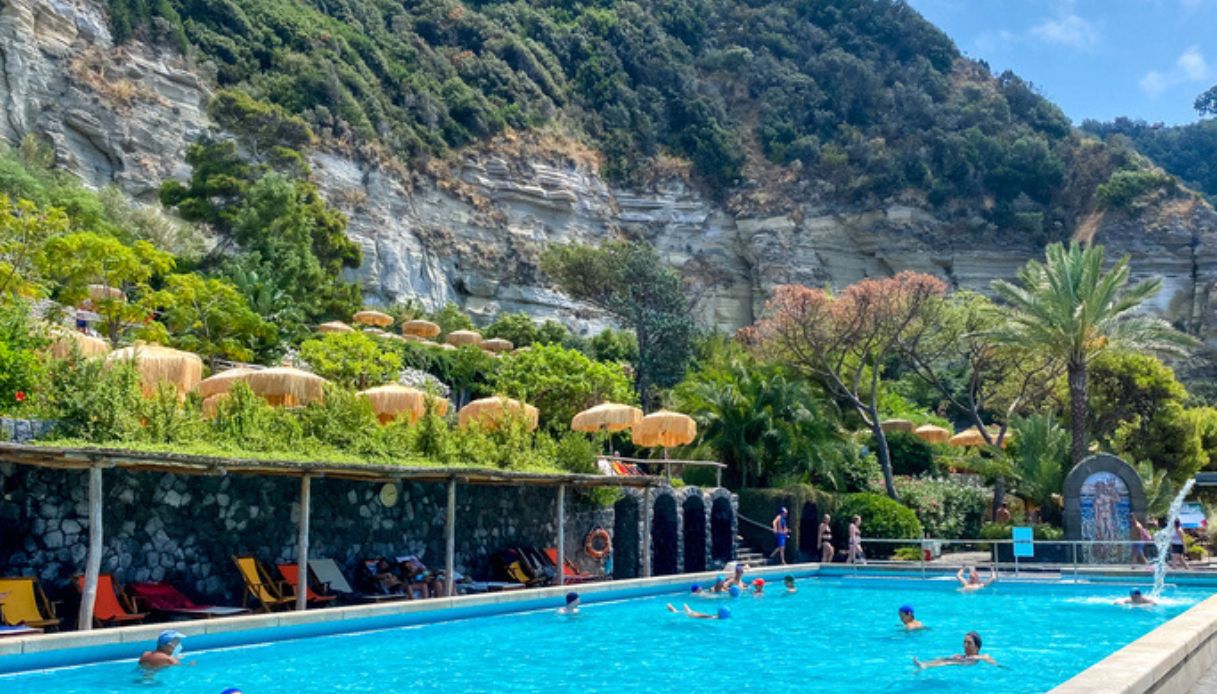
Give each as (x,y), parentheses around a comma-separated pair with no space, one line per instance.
(723,613)
(734,591)
(168,651)
(906,617)
(720,584)
(572,604)
(1135,599)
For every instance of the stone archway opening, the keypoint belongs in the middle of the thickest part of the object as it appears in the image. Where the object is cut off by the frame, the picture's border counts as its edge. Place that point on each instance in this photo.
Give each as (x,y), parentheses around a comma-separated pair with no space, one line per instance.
(664,537)
(695,534)
(722,519)
(625,538)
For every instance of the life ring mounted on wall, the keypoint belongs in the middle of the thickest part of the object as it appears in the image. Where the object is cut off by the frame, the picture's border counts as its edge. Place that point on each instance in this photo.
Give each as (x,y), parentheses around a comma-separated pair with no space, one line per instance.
(598,543)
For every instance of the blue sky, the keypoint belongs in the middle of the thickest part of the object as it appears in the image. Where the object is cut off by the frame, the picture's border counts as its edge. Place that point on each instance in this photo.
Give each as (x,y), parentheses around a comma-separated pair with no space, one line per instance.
(1095,58)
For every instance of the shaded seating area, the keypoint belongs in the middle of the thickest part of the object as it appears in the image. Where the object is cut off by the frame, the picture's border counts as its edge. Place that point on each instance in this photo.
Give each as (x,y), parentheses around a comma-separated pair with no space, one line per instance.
(109,610)
(267,593)
(162,599)
(328,574)
(570,572)
(291,577)
(25,604)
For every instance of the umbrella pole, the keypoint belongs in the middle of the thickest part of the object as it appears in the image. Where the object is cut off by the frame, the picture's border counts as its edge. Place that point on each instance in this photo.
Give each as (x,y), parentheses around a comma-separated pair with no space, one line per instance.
(667,466)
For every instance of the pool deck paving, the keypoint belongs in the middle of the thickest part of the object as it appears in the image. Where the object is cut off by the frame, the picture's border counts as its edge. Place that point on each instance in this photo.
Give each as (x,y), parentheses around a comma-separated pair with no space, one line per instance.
(1207,684)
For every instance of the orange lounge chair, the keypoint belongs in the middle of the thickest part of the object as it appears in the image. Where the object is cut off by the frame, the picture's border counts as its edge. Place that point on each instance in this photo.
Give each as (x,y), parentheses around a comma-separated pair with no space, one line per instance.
(107,610)
(26,604)
(269,594)
(291,574)
(570,572)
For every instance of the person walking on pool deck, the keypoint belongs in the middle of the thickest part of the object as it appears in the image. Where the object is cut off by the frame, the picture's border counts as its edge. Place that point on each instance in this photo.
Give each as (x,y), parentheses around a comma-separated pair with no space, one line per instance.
(781,530)
(971,655)
(855,542)
(1140,536)
(1178,548)
(825,535)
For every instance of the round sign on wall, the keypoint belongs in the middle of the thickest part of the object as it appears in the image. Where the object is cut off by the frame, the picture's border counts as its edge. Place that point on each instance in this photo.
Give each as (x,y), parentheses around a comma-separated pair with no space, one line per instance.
(388,495)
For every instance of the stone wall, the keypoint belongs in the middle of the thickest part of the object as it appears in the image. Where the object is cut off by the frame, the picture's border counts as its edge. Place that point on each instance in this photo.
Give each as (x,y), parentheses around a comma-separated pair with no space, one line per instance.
(185,529)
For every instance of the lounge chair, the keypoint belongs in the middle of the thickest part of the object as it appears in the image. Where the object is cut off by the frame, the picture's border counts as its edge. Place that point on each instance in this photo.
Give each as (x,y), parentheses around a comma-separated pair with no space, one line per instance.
(26,604)
(107,609)
(570,572)
(269,594)
(327,573)
(291,574)
(22,630)
(508,567)
(164,599)
(538,565)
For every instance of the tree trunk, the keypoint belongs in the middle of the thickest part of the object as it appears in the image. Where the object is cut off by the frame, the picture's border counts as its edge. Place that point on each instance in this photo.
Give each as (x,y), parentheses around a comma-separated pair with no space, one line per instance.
(1078,410)
(885,459)
(999,495)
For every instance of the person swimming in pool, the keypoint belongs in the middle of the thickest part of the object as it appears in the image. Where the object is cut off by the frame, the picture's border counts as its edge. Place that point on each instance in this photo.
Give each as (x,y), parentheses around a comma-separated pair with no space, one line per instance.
(789,581)
(1136,599)
(758,588)
(908,620)
(737,576)
(167,653)
(971,655)
(723,613)
(973,582)
(734,591)
(720,584)
(572,604)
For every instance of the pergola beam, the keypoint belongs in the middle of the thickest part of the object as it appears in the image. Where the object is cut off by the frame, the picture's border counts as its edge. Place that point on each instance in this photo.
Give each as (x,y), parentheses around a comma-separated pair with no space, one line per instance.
(302,543)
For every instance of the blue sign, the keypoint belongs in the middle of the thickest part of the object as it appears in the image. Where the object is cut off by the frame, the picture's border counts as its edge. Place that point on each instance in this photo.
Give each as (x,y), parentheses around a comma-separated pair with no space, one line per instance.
(1022,537)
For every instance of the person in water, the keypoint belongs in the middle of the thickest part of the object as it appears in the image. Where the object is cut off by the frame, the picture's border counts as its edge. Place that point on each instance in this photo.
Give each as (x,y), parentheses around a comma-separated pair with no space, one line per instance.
(737,577)
(825,533)
(723,613)
(973,582)
(1140,536)
(789,581)
(781,530)
(720,584)
(572,604)
(908,620)
(1136,599)
(1178,549)
(758,588)
(167,653)
(971,655)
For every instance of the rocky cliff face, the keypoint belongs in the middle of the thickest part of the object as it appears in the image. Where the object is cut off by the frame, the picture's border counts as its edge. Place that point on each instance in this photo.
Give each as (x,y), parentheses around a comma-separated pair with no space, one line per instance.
(125,116)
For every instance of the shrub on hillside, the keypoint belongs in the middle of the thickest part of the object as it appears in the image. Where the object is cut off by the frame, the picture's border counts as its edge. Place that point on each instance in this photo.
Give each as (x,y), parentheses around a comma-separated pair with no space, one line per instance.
(881,517)
(910,455)
(947,508)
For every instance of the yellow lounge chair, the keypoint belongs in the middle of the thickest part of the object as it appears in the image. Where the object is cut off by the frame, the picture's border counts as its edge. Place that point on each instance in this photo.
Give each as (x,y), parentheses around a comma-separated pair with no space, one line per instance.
(269,593)
(25,603)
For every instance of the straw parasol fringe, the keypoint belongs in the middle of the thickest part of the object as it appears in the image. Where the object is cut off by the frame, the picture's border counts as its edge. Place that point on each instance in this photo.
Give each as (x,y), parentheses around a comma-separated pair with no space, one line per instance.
(390,402)
(375,318)
(284,386)
(102,292)
(335,326)
(464,337)
(223,381)
(211,405)
(489,412)
(157,364)
(497,344)
(971,437)
(932,434)
(890,425)
(420,328)
(607,415)
(65,340)
(666,429)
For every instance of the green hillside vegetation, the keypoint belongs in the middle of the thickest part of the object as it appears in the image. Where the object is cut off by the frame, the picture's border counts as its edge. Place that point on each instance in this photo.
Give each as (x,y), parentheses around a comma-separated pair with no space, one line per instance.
(864,94)
(1188,152)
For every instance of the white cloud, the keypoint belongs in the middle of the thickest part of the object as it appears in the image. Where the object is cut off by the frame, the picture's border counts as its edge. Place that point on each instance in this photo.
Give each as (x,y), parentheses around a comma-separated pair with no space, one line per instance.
(1190,66)
(1066,30)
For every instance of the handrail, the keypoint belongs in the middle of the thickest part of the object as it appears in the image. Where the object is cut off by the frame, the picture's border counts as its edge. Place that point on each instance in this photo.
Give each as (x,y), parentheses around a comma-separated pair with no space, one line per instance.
(668,463)
(756,523)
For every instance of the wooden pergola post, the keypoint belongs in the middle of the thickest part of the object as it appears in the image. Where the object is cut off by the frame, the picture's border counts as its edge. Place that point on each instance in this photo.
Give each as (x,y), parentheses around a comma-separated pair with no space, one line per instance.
(302,544)
(646,532)
(450,541)
(559,578)
(88,596)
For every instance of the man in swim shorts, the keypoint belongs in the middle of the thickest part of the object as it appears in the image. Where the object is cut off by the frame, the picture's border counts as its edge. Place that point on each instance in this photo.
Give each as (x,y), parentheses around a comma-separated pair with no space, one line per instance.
(780,531)
(971,655)
(908,620)
(167,652)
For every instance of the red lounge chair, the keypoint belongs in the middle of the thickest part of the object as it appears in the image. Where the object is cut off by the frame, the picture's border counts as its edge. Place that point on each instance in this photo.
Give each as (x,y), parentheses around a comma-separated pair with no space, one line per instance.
(570,572)
(291,574)
(107,610)
(167,600)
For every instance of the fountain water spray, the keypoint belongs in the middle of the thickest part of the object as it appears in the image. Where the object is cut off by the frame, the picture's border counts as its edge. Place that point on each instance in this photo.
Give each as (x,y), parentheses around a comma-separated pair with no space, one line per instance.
(1162,538)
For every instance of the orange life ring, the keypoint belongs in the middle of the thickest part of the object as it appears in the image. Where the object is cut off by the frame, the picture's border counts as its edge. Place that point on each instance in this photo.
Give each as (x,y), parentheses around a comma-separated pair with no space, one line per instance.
(600,537)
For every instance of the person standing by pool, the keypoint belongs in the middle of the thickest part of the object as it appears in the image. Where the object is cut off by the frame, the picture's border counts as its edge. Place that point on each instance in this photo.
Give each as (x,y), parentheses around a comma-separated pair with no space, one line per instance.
(825,533)
(167,652)
(572,604)
(780,531)
(971,655)
(855,542)
(1140,536)
(908,620)
(1178,548)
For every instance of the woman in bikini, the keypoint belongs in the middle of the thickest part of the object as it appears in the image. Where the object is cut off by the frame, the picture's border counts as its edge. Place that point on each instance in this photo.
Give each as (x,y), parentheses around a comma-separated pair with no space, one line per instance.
(826,549)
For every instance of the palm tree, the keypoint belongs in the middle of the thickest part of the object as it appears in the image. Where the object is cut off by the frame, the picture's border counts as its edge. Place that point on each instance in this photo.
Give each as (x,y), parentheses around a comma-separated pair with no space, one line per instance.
(1070,308)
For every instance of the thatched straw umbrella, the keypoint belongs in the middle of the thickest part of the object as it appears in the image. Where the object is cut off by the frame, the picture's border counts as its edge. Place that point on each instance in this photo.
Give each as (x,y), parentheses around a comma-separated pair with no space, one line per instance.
(211,405)
(464,337)
(609,416)
(335,326)
(103,292)
(932,434)
(393,401)
(490,411)
(157,364)
(223,381)
(420,328)
(375,318)
(376,331)
(666,429)
(496,344)
(285,386)
(890,425)
(64,341)
(967,437)
(411,338)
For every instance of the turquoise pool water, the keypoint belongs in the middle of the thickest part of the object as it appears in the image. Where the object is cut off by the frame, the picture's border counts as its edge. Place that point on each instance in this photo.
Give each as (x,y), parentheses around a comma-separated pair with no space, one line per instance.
(833,635)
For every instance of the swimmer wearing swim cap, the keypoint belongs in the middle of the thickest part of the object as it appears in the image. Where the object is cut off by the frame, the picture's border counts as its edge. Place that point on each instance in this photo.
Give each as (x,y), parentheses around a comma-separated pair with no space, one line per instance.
(572,604)
(758,588)
(723,613)
(1136,599)
(906,617)
(167,653)
(720,584)
(734,591)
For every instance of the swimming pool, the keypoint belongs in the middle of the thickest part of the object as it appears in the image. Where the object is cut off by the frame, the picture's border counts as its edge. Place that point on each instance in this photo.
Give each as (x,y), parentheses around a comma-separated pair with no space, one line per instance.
(834,634)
